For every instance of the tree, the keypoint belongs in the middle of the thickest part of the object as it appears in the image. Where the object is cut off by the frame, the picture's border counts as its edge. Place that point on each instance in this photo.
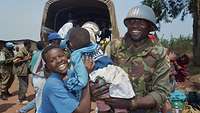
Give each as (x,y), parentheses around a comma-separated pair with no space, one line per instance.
(168,10)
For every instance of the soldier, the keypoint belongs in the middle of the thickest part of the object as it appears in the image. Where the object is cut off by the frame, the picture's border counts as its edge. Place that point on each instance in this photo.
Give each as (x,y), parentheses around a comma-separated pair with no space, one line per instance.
(144,60)
(22,61)
(6,67)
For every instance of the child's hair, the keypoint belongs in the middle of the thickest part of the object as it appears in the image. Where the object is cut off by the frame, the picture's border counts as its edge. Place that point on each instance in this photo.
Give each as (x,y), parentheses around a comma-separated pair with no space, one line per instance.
(40,45)
(79,37)
(183,60)
(48,48)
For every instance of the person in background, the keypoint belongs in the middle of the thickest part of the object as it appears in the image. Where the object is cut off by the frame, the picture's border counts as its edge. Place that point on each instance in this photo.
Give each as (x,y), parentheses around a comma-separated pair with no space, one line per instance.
(56,98)
(38,79)
(6,68)
(37,69)
(54,39)
(144,61)
(22,61)
(2,58)
(181,68)
(10,56)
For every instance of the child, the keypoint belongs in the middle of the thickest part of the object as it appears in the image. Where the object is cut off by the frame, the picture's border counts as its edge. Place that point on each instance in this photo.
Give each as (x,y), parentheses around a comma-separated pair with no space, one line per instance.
(80,45)
(181,69)
(56,98)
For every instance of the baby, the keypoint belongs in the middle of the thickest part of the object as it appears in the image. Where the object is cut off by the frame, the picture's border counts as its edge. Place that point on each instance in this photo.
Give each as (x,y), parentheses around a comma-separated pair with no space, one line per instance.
(104,70)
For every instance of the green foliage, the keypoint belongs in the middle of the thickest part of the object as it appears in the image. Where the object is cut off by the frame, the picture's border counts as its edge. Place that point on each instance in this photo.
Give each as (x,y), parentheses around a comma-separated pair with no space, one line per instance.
(179,45)
(168,10)
(194,70)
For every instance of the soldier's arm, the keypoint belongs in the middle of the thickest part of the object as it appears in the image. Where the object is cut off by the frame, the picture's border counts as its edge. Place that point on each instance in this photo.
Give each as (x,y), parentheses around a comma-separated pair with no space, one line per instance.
(115,48)
(161,86)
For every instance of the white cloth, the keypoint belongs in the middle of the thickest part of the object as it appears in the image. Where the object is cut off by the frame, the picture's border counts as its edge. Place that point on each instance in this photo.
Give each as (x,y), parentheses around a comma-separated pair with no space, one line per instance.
(120,84)
(64,29)
(38,84)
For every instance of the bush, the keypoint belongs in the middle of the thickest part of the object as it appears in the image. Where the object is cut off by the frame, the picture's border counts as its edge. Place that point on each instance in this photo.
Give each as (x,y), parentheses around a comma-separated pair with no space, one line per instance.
(179,45)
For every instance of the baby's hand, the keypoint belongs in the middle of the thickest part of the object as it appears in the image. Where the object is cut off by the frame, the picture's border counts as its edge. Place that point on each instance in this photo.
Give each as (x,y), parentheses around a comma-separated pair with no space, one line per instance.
(65,77)
(89,63)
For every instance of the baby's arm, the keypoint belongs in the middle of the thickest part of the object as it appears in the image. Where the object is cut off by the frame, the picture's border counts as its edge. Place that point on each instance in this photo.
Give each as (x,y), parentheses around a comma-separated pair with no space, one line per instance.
(77,75)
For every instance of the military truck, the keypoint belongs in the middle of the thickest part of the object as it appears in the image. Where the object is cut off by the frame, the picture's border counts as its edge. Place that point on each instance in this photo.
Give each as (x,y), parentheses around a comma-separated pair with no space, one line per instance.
(58,12)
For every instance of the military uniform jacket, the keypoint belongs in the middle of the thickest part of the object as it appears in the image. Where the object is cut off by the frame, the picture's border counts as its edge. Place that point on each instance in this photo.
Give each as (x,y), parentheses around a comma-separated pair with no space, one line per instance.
(147,67)
(6,65)
(22,67)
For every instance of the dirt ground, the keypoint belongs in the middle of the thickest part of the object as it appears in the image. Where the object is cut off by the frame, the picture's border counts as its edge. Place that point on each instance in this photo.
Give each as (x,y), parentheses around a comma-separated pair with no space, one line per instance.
(11,105)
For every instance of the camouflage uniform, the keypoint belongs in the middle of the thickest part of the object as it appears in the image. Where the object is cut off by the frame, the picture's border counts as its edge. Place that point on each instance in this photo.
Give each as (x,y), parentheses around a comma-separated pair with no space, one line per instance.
(22,73)
(147,67)
(6,70)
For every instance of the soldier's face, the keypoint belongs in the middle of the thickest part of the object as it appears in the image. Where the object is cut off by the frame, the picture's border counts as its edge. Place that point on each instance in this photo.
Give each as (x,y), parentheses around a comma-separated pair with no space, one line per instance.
(138,29)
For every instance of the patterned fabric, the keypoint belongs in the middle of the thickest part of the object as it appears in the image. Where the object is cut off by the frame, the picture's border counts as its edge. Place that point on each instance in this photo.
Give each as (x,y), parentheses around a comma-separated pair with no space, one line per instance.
(6,59)
(147,67)
(22,67)
(37,64)
(6,69)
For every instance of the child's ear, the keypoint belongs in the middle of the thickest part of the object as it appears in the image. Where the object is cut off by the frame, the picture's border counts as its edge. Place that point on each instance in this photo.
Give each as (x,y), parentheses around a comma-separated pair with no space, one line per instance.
(70,45)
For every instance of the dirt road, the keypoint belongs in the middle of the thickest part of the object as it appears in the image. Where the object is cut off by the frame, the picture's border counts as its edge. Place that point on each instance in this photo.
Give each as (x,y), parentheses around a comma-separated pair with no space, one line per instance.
(11,105)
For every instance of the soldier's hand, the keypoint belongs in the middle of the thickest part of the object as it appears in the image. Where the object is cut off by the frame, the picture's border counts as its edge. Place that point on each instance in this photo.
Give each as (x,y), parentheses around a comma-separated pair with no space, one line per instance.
(119,103)
(98,91)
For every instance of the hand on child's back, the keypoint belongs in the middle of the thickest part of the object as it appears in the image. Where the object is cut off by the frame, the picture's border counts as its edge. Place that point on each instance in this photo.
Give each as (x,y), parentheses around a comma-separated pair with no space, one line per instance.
(89,63)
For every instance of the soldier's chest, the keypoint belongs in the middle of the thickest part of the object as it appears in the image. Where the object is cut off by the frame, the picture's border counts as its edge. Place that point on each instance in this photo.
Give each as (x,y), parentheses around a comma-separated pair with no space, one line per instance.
(138,66)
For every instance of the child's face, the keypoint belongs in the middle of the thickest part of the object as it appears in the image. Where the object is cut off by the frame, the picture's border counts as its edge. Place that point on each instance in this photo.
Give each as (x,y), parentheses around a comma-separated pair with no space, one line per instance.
(57,61)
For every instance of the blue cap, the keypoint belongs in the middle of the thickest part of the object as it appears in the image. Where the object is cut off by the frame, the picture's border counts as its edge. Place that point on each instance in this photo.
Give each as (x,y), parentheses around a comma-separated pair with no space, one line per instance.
(9,45)
(54,36)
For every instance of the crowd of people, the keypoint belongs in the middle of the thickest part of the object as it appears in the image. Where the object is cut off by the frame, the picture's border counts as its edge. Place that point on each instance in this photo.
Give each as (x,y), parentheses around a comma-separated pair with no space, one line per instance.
(17,61)
(73,70)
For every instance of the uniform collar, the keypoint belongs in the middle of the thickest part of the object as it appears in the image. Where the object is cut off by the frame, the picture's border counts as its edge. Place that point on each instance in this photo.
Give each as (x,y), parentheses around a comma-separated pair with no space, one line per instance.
(137,47)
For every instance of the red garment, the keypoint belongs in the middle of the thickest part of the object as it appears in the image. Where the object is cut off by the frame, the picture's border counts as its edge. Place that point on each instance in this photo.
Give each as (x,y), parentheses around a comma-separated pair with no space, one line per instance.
(152,37)
(182,73)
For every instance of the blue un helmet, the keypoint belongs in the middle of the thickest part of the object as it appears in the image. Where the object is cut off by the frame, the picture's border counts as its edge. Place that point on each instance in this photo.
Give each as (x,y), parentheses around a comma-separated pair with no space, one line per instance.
(54,36)
(10,45)
(142,12)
